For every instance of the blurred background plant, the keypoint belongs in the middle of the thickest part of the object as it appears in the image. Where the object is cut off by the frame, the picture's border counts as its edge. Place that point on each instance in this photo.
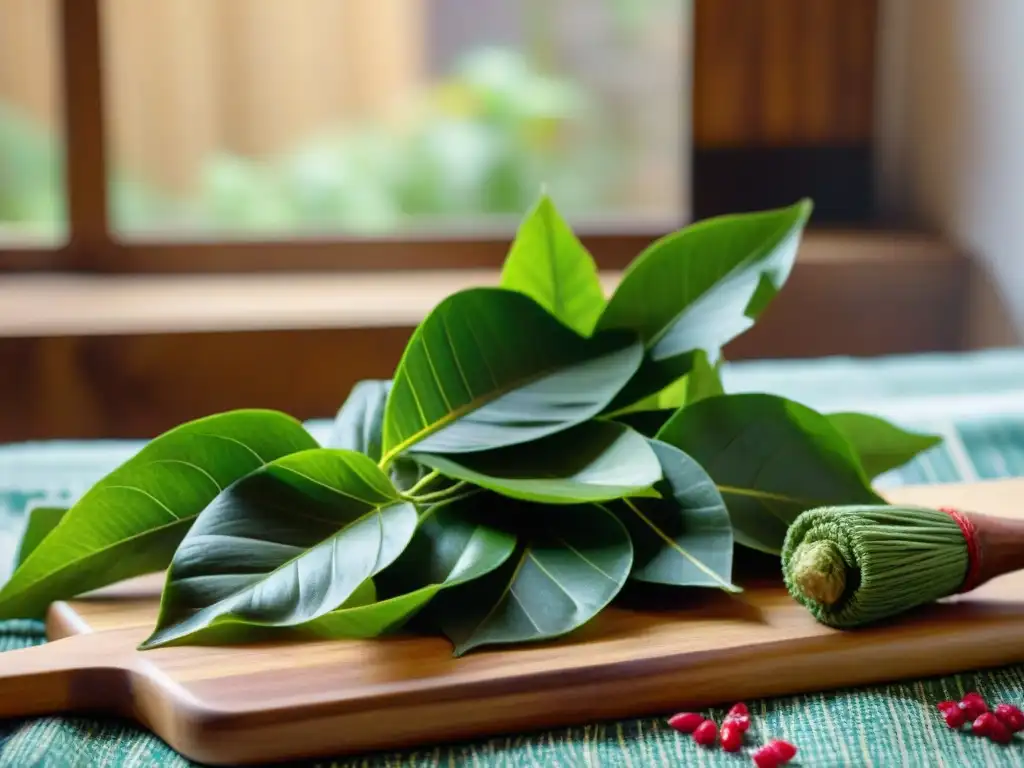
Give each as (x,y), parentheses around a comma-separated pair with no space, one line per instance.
(493,104)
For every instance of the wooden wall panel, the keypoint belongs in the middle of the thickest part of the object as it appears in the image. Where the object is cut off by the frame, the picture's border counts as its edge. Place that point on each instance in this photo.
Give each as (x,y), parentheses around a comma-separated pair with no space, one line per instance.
(773,73)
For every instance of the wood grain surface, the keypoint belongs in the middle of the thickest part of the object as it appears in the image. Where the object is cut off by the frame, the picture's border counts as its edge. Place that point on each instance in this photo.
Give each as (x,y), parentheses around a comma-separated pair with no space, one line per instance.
(692,649)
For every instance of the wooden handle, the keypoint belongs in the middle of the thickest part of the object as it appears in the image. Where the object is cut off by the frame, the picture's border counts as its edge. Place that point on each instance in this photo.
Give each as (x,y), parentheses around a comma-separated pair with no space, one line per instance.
(74,674)
(1000,546)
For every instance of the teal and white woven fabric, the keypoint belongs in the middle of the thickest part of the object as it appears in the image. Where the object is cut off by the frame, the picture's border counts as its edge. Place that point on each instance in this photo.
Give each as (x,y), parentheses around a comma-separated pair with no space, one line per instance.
(975,401)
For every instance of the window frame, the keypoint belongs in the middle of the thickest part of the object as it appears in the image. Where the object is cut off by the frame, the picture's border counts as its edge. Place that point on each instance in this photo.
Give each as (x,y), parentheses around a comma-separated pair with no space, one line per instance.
(777,170)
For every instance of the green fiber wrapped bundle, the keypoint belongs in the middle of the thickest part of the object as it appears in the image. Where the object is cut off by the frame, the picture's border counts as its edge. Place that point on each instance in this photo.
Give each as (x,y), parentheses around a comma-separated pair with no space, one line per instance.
(854,565)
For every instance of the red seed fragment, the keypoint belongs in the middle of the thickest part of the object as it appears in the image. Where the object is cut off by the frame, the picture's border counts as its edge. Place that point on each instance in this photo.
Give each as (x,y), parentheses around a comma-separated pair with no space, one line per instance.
(731,737)
(774,754)
(974,705)
(784,750)
(739,709)
(706,733)
(983,724)
(765,757)
(1010,716)
(686,722)
(954,717)
(742,722)
(998,732)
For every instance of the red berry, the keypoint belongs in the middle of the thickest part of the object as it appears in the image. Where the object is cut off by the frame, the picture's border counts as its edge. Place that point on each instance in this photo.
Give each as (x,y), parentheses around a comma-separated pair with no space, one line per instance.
(983,724)
(731,737)
(706,733)
(973,705)
(766,757)
(1010,716)
(742,722)
(686,722)
(739,709)
(942,706)
(784,750)
(999,733)
(954,717)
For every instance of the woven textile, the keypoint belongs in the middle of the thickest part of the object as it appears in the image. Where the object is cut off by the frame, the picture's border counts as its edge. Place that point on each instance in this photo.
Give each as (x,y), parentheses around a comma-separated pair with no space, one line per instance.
(975,401)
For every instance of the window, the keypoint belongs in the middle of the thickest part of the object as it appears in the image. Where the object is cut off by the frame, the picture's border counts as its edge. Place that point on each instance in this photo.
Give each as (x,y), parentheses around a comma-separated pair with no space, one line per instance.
(31,158)
(375,117)
(225,135)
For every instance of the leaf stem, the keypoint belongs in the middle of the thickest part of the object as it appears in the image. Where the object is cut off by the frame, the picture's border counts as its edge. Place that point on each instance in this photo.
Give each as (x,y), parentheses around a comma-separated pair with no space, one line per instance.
(426,480)
(441,495)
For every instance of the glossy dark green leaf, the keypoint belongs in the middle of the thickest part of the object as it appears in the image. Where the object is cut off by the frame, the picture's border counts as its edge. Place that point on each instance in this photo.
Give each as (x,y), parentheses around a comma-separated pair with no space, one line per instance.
(684,538)
(569,564)
(647,423)
(701,287)
(131,521)
(549,264)
(40,521)
(771,459)
(360,421)
(452,546)
(489,368)
(879,445)
(284,546)
(593,461)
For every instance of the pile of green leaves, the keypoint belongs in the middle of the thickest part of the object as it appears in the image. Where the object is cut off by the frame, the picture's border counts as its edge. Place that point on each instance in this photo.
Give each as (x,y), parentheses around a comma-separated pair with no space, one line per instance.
(538,446)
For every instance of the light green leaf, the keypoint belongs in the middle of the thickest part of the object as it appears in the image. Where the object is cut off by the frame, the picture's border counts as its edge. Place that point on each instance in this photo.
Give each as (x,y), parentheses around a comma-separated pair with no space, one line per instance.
(594,461)
(570,563)
(283,546)
(490,368)
(40,521)
(684,538)
(702,381)
(359,423)
(879,445)
(549,264)
(452,546)
(701,287)
(771,459)
(131,521)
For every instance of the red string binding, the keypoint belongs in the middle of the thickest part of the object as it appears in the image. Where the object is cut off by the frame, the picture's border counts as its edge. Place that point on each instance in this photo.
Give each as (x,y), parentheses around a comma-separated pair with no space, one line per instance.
(973,551)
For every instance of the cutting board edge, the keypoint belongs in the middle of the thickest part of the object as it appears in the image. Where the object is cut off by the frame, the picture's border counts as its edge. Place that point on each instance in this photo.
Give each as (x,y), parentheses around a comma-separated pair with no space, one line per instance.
(218,737)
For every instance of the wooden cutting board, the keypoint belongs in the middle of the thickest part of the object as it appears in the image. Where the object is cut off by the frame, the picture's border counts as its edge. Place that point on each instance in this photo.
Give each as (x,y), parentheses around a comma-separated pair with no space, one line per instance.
(290,701)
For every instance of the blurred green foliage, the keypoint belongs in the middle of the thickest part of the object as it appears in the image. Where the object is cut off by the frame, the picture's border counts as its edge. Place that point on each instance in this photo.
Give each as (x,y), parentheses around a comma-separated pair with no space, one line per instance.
(483,141)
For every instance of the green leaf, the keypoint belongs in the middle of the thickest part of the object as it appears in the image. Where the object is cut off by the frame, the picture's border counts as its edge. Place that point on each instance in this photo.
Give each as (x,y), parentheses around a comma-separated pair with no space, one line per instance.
(41,520)
(701,287)
(549,264)
(594,461)
(490,368)
(771,459)
(359,423)
(131,521)
(702,381)
(647,423)
(284,546)
(879,445)
(568,566)
(684,538)
(450,547)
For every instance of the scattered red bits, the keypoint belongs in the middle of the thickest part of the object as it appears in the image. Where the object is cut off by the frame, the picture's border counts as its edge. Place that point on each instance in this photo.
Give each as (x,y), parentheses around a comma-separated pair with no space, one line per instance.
(742,723)
(998,725)
(1010,716)
(954,716)
(983,724)
(731,736)
(974,705)
(739,709)
(774,754)
(686,722)
(706,733)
